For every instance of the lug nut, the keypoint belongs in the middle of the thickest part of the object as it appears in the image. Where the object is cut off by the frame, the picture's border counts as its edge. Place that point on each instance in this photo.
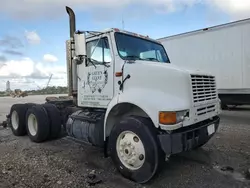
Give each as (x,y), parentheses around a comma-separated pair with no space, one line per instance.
(141,157)
(136,139)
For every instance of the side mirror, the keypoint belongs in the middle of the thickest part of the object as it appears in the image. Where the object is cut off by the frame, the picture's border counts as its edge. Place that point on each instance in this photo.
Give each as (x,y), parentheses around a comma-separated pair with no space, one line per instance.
(80,44)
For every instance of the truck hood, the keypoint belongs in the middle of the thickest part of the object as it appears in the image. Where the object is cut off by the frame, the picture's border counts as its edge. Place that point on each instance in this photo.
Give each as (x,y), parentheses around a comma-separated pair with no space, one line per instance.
(180,68)
(167,79)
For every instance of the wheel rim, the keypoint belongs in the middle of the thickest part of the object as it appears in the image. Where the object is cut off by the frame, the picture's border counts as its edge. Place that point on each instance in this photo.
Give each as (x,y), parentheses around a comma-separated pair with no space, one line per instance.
(14,120)
(32,124)
(130,150)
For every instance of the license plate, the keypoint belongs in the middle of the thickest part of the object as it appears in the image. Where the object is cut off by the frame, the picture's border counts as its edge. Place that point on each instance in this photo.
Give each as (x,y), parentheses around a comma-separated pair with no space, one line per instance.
(210,129)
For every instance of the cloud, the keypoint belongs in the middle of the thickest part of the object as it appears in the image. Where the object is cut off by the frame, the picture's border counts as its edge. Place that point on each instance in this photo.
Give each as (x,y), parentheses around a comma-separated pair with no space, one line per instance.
(2,59)
(11,45)
(31,9)
(13,52)
(32,37)
(27,74)
(235,8)
(11,42)
(50,58)
(23,67)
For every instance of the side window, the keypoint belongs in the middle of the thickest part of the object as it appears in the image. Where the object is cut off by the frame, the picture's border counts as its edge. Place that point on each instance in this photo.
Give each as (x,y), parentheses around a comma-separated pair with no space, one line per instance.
(99,50)
(106,50)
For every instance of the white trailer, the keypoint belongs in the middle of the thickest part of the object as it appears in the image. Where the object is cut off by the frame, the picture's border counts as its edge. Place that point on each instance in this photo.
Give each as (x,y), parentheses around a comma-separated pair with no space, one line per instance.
(223,51)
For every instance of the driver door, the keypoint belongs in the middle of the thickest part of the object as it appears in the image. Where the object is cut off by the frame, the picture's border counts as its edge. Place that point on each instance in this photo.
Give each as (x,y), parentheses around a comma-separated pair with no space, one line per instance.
(95,83)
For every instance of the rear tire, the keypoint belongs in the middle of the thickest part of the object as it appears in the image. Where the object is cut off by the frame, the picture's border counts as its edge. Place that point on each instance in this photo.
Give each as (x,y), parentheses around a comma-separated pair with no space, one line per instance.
(54,120)
(38,127)
(17,119)
(134,149)
(29,105)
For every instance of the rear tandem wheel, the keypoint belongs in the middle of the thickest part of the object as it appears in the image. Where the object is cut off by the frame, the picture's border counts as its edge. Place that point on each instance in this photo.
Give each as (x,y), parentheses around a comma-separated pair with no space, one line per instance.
(17,118)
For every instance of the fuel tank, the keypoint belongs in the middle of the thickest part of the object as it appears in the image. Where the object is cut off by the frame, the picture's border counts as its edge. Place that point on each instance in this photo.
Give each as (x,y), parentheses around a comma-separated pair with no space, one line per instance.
(87,127)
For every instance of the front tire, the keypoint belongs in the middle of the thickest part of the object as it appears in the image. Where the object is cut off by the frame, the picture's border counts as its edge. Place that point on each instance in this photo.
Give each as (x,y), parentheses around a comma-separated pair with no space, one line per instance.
(134,149)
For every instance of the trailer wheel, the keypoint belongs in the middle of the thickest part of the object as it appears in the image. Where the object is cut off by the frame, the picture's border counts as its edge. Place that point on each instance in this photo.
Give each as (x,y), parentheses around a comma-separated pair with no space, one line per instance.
(17,119)
(37,123)
(54,120)
(134,149)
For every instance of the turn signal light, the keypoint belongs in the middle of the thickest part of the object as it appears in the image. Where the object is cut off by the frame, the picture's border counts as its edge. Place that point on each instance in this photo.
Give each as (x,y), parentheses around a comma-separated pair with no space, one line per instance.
(118,74)
(167,118)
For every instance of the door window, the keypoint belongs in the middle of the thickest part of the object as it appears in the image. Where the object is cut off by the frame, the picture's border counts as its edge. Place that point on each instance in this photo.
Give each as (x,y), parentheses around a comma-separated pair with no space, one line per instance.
(99,51)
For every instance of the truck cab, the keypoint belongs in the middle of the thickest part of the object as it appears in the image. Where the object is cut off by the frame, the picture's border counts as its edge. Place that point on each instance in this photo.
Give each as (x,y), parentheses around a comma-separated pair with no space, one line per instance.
(132,79)
(123,68)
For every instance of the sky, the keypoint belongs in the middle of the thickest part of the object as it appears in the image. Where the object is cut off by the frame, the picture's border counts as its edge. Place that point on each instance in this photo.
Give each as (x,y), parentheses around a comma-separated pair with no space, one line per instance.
(33,32)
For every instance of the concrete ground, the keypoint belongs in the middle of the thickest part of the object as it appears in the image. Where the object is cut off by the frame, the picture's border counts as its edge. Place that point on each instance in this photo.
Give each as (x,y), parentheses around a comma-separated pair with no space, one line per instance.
(222,162)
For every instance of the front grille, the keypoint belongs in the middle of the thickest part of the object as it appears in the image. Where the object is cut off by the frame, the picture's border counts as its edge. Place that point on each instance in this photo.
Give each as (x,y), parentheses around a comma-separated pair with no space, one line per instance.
(204,110)
(204,88)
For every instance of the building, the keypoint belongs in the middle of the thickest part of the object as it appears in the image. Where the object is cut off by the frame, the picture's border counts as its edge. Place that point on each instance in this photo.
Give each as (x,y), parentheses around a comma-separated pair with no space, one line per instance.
(8,86)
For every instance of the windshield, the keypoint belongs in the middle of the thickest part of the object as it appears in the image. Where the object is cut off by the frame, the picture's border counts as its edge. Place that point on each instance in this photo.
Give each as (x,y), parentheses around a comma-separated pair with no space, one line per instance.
(131,47)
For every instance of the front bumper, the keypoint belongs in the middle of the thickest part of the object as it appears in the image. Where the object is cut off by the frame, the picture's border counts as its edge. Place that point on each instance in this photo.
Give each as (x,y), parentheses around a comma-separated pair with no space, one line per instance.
(187,138)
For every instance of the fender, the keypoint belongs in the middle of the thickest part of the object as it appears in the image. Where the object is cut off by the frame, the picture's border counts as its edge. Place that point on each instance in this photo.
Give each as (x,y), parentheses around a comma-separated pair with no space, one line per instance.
(151,102)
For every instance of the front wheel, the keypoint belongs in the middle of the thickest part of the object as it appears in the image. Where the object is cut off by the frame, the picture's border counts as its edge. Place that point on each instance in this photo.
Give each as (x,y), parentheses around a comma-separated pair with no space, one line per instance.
(134,149)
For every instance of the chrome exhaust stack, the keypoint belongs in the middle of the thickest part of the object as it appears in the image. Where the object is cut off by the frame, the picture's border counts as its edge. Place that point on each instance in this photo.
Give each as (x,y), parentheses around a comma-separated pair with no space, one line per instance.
(72,21)
(71,65)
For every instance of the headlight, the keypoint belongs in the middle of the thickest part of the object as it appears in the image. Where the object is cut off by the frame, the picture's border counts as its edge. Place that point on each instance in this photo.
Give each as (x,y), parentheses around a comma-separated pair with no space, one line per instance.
(170,118)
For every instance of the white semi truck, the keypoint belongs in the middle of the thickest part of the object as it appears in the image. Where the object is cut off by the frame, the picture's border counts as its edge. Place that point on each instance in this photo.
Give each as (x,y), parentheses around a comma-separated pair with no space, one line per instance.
(128,99)
(222,51)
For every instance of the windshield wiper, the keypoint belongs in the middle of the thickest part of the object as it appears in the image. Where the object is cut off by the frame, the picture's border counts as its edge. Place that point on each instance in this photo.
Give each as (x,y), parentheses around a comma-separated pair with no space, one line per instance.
(151,58)
(133,57)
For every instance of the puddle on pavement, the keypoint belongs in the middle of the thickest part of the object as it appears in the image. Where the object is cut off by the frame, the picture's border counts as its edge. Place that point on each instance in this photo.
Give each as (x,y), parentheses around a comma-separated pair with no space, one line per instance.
(227,170)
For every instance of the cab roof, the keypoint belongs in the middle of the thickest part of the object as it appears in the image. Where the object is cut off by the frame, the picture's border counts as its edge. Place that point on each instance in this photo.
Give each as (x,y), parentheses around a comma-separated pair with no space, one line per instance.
(108,30)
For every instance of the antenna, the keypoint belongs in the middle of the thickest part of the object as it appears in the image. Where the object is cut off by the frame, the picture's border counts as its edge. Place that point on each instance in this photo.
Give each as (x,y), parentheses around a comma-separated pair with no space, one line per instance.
(122,23)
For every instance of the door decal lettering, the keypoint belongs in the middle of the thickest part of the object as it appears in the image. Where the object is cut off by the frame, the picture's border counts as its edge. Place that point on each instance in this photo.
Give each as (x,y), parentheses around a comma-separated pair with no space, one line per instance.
(97,80)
